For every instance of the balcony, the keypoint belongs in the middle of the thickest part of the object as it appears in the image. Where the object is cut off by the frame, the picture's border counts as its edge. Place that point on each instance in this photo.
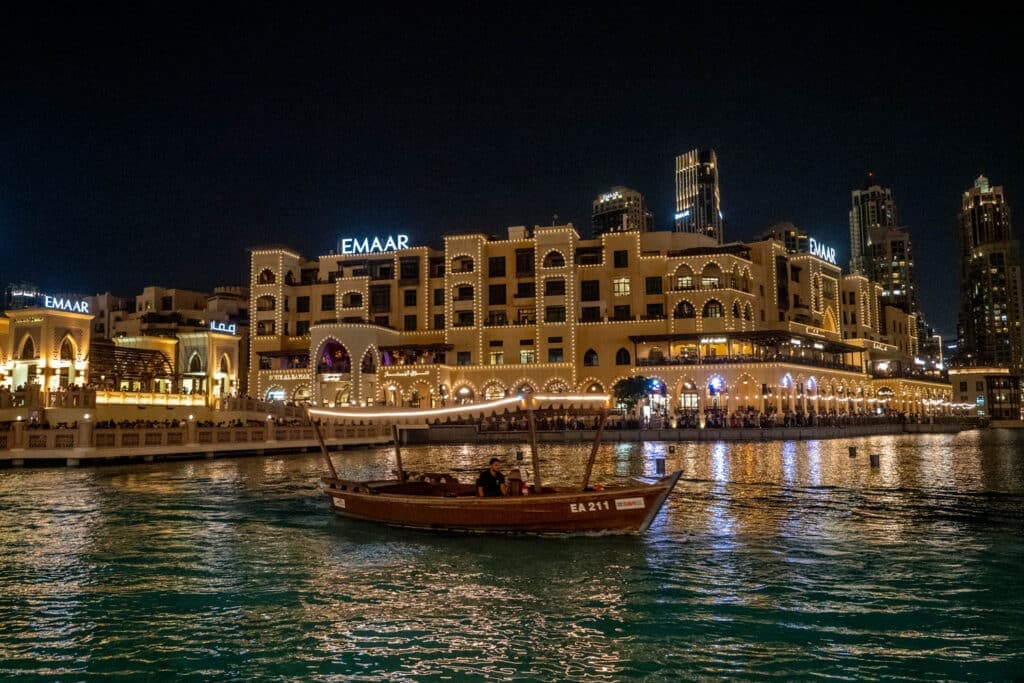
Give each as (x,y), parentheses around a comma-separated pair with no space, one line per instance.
(744,358)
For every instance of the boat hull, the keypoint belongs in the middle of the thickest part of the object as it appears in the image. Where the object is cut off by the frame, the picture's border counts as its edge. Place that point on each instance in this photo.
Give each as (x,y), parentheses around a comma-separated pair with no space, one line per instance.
(618,510)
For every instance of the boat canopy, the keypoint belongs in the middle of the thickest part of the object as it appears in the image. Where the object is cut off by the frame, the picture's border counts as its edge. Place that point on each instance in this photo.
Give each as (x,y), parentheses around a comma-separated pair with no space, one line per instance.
(422,416)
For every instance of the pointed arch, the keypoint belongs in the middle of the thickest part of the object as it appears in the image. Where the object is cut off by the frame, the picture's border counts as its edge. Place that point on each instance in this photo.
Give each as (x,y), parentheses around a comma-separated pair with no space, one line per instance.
(368,366)
(713,309)
(266,277)
(590,358)
(828,322)
(68,348)
(28,348)
(622,357)
(684,309)
(195,363)
(225,364)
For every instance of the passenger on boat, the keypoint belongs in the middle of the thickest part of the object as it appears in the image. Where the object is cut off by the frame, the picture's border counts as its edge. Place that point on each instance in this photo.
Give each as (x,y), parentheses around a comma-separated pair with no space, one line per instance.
(491,481)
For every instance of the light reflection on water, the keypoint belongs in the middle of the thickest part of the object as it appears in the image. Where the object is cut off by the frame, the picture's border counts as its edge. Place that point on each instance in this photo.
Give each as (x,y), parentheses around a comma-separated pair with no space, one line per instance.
(784,559)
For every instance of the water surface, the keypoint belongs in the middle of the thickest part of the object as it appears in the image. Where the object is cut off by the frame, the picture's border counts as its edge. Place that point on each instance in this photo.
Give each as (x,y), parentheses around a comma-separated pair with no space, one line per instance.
(786,560)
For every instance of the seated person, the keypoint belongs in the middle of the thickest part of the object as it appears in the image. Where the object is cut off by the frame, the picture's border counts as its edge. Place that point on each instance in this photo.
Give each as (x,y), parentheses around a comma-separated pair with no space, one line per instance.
(491,481)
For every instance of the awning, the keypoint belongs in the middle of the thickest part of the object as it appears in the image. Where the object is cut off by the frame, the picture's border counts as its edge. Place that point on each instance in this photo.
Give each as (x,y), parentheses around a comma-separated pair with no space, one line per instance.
(470,411)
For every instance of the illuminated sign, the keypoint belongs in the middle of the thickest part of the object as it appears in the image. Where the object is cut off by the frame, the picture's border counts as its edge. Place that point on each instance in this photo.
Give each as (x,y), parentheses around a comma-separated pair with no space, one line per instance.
(610,196)
(217,326)
(369,245)
(59,304)
(822,250)
(713,340)
(407,373)
(683,214)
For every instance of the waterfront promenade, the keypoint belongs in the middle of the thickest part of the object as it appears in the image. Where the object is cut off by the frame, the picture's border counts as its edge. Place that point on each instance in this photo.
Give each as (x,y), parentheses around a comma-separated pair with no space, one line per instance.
(89,442)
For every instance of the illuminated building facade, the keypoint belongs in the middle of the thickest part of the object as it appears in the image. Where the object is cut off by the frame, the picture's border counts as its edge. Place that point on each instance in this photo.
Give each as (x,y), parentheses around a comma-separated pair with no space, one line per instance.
(714,327)
(620,210)
(990,281)
(993,393)
(698,201)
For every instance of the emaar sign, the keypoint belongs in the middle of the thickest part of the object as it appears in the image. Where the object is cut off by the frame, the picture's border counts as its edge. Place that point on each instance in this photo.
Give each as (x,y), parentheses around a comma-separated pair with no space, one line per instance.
(822,250)
(56,303)
(370,245)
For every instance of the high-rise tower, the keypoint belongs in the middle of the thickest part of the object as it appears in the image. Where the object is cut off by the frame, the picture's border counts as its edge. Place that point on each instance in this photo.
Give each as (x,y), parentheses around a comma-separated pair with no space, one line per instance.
(990,280)
(698,203)
(620,210)
(873,208)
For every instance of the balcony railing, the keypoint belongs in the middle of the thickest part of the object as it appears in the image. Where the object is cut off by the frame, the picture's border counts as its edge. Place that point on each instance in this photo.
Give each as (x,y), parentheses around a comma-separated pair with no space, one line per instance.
(744,358)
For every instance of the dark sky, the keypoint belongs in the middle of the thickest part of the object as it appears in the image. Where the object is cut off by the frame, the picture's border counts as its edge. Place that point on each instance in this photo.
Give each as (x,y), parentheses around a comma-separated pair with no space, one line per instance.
(143,148)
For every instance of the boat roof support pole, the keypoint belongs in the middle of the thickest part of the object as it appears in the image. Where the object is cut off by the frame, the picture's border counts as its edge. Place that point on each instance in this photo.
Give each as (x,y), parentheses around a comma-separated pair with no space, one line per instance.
(398,453)
(323,446)
(533,443)
(602,417)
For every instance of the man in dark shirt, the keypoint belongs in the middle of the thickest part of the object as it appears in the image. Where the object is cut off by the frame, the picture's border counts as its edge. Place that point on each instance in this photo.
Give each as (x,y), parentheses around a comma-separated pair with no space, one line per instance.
(491,481)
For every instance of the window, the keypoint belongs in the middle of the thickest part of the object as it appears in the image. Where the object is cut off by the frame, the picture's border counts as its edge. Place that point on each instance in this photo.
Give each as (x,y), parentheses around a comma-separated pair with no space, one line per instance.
(963,386)
(713,309)
(497,358)
(621,258)
(409,268)
(439,321)
(554,340)
(265,363)
(590,314)
(497,318)
(410,323)
(166,303)
(439,297)
(527,356)
(622,312)
(464,319)
(381,320)
(380,298)
(496,295)
(301,328)
(652,285)
(409,297)
(655,311)
(620,286)
(302,304)
(351,300)
(326,302)
(979,386)
(526,290)
(524,262)
(463,358)
(794,274)
(684,282)
(554,287)
(555,355)
(554,314)
(622,357)
(590,358)
(590,290)
(496,266)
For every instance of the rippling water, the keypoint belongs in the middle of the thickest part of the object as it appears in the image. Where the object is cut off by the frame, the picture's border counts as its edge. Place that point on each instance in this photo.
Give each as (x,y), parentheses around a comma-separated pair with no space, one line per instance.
(785,560)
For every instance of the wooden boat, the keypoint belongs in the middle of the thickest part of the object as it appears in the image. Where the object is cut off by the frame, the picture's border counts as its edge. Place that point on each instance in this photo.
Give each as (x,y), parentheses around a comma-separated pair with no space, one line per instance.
(440,501)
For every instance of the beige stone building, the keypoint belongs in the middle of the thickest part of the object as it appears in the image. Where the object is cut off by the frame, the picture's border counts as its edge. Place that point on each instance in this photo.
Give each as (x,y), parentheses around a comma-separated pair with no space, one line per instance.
(714,327)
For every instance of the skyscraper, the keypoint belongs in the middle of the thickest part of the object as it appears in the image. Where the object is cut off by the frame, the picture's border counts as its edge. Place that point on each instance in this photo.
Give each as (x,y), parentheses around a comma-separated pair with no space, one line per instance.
(873,208)
(698,203)
(990,280)
(619,210)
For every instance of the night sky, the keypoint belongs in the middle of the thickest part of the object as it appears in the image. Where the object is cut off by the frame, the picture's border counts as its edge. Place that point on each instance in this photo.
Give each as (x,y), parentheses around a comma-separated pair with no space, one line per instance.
(140,149)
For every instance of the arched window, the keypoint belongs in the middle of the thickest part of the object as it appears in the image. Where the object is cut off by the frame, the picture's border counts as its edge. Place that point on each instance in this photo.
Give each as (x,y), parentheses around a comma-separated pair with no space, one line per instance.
(590,357)
(289,278)
(334,359)
(622,357)
(736,309)
(265,303)
(748,313)
(28,351)
(683,277)
(265,327)
(713,309)
(711,276)
(224,367)
(553,259)
(684,309)
(67,351)
(369,365)
(266,277)
(195,364)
